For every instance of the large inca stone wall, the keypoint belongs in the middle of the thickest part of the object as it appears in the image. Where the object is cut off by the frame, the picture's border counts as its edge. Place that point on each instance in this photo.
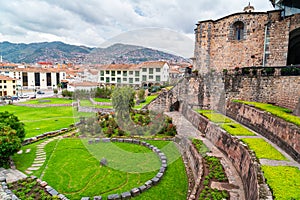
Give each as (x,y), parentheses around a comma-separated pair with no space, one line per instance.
(280,90)
(282,133)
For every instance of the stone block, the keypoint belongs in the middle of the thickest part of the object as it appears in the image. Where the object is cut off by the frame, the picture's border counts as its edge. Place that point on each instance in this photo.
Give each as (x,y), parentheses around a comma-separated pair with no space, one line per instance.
(114,139)
(103,162)
(105,139)
(135,192)
(53,192)
(155,180)
(159,175)
(85,198)
(164,165)
(135,141)
(91,141)
(97,140)
(142,188)
(2,179)
(163,162)
(148,184)
(143,143)
(120,140)
(43,183)
(97,197)
(114,197)
(125,195)
(162,170)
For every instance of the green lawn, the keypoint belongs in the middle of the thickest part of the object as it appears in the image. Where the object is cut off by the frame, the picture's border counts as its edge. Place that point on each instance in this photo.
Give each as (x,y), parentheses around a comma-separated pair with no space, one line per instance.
(88,103)
(214,117)
(281,112)
(80,174)
(41,120)
(102,100)
(237,129)
(263,149)
(226,123)
(148,100)
(52,101)
(284,181)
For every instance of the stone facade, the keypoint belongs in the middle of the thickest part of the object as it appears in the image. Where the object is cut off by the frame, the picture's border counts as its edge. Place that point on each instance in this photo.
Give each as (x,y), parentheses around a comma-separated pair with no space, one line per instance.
(244,39)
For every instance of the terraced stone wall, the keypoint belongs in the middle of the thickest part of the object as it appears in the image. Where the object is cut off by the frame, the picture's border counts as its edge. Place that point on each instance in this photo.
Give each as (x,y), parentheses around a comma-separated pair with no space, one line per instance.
(286,135)
(238,153)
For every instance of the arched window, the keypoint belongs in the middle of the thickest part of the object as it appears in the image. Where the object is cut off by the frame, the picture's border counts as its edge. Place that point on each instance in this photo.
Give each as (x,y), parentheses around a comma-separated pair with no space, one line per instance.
(238,28)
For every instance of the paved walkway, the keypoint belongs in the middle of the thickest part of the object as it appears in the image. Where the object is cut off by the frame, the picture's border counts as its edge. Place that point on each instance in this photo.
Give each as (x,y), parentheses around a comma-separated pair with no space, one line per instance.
(186,129)
(11,175)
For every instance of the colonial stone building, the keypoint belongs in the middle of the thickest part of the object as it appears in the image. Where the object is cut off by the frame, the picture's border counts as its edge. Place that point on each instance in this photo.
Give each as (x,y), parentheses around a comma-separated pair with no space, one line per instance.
(249,38)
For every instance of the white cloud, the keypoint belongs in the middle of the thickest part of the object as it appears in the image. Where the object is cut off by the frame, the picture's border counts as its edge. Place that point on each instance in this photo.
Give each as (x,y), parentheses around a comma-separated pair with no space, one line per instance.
(92,22)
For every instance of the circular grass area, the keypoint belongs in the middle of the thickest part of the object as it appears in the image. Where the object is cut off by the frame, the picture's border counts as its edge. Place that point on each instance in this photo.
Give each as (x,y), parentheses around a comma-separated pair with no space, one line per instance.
(74,169)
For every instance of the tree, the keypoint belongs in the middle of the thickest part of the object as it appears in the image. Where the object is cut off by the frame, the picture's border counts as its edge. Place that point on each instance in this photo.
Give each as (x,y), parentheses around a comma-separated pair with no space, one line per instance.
(12,134)
(123,99)
(141,94)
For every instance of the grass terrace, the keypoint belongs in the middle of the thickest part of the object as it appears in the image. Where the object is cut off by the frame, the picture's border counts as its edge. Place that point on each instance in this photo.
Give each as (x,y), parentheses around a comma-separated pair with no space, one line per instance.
(148,100)
(41,120)
(49,101)
(263,149)
(81,175)
(88,103)
(102,100)
(278,111)
(226,123)
(283,181)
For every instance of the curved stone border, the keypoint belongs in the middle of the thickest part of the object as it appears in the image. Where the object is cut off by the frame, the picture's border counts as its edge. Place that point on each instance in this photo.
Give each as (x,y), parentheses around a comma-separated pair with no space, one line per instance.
(148,184)
(47,135)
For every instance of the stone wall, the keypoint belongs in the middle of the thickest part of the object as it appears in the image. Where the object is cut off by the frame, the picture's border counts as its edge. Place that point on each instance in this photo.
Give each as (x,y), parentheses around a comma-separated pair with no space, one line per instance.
(194,165)
(282,133)
(241,157)
(280,90)
(264,35)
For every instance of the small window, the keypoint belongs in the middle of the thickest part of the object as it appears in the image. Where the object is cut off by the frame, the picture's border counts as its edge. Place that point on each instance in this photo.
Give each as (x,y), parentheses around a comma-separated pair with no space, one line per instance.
(157,69)
(119,72)
(150,70)
(101,73)
(137,73)
(130,72)
(144,69)
(238,30)
(124,79)
(130,80)
(107,72)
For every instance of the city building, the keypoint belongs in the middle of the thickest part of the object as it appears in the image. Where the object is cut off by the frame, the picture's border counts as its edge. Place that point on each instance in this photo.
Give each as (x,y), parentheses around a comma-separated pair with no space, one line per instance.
(8,86)
(249,38)
(144,74)
(34,77)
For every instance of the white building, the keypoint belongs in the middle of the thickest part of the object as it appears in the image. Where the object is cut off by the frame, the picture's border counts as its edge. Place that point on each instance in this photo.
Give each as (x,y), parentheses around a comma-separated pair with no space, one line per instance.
(144,74)
(82,86)
(7,86)
(35,77)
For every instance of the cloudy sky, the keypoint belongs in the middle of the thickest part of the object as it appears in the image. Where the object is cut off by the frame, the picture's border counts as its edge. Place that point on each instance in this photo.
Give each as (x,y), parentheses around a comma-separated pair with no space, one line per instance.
(94,22)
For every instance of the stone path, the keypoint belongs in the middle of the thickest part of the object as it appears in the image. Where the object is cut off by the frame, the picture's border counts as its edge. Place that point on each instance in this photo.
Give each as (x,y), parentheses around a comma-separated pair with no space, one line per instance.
(186,129)
(11,175)
(40,156)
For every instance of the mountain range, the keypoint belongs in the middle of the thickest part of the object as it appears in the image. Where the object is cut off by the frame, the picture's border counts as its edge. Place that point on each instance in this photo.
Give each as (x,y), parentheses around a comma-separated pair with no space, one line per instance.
(60,52)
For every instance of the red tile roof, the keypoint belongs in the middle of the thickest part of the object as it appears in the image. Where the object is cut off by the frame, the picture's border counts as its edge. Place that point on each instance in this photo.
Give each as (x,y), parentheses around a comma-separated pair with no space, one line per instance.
(6,78)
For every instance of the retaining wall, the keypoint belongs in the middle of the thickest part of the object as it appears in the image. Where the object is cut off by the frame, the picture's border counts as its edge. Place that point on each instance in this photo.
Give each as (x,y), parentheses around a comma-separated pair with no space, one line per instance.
(286,135)
(238,153)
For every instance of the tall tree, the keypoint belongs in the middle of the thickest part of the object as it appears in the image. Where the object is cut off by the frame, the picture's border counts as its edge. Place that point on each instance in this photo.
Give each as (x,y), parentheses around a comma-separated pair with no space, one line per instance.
(12,134)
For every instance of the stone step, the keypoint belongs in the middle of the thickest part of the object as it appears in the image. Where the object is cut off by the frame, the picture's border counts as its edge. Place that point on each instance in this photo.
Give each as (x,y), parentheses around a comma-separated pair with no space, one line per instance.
(28,172)
(33,168)
(39,160)
(37,164)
